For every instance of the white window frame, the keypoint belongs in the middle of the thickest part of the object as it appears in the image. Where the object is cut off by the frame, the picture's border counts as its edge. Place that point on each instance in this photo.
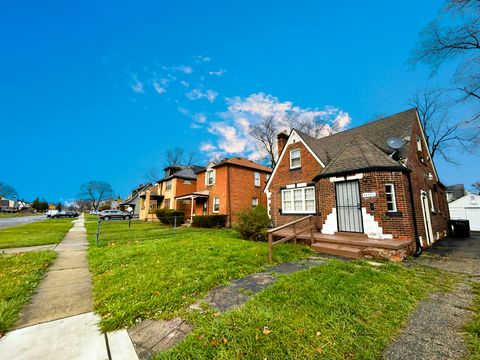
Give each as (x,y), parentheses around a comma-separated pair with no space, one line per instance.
(256,179)
(419,144)
(216,201)
(254,202)
(168,185)
(394,199)
(293,158)
(207,177)
(292,201)
(432,205)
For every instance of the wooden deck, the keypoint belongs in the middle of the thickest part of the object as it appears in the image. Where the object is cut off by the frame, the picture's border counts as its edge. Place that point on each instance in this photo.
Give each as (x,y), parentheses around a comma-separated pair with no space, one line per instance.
(348,245)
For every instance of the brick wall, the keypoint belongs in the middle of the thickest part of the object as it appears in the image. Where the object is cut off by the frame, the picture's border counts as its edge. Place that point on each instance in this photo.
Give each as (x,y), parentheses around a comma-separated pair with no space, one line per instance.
(284,176)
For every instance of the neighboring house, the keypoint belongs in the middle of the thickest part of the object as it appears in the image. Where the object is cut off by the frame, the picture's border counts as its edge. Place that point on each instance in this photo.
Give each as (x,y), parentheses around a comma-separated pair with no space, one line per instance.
(7,205)
(373,189)
(133,199)
(179,180)
(455,192)
(467,208)
(226,187)
(115,204)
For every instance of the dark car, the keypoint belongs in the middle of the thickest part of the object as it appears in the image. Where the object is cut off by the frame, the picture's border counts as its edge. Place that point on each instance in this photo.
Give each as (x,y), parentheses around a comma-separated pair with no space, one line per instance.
(114,214)
(61,214)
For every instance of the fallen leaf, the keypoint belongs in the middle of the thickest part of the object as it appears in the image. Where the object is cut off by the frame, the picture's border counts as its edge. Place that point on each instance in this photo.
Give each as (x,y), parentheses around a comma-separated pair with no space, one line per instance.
(224,339)
(217,314)
(257,337)
(214,342)
(266,330)
(318,333)
(319,350)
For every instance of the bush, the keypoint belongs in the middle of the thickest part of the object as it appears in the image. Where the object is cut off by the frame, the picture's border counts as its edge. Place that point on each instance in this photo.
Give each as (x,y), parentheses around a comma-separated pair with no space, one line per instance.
(167,216)
(209,221)
(252,224)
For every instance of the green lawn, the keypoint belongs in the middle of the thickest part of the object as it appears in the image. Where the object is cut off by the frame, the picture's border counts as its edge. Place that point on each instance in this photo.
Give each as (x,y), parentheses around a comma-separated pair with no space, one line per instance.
(341,310)
(473,327)
(20,214)
(147,272)
(19,275)
(50,231)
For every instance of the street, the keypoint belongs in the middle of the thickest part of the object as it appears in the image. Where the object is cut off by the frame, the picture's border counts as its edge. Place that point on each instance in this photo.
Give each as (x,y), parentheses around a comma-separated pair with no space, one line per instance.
(15,221)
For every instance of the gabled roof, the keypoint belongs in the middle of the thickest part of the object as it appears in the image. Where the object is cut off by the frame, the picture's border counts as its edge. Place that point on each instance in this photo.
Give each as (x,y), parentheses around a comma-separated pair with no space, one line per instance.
(187,173)
(240,161)
(376,132)
(357,155)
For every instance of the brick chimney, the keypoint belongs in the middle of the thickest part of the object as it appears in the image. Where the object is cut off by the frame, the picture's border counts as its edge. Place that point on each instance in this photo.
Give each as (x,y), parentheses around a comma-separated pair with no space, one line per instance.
(281,141)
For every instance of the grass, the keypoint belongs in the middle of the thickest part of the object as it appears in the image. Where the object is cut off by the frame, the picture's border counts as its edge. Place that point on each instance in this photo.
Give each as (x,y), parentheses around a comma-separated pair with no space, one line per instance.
(19,214)
(50,231)
(19,276)
(340,310)
(147,272)
(472,328)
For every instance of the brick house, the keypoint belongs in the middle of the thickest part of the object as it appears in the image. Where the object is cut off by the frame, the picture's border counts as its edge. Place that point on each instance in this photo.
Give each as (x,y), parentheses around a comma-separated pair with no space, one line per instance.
(373,190)
(226,187)
(179,180)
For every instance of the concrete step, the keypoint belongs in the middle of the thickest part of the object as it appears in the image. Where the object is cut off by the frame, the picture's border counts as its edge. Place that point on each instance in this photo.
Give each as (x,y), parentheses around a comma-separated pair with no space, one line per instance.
(348,251)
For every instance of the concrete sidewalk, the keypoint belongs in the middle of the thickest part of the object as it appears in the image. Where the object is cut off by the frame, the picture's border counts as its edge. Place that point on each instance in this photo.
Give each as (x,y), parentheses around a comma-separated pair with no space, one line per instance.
(59,322)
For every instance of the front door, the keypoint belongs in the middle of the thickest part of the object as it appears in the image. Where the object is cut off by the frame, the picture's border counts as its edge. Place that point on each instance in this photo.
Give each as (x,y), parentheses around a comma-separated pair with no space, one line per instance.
(426,217)
(349,208)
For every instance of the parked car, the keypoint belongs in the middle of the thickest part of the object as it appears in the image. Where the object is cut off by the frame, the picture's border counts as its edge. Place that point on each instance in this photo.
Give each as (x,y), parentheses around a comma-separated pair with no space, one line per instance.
(114,214)
(61,214)
(94,212)
(52,213)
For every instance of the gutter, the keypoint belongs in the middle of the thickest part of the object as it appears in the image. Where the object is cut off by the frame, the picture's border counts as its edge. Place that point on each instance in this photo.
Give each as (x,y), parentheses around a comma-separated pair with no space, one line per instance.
(419,249)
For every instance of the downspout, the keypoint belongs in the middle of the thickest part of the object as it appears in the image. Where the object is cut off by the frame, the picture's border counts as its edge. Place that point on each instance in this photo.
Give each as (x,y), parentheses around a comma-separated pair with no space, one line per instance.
(229,207)
(419,249)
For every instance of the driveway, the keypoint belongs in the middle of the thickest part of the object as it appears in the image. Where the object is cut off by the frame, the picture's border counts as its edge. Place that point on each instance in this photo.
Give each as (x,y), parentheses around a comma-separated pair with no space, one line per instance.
(21,220)
(454,254)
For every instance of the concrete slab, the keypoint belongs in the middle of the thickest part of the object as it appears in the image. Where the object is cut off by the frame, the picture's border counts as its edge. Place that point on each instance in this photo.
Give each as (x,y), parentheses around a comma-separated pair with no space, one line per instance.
(27,248)
(74,338)
(120,345)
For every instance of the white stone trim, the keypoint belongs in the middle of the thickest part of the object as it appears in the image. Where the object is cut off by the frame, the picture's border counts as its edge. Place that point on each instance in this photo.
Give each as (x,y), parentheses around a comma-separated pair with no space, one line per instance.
(358,176)
(290,186)
(371,227)
(330,225)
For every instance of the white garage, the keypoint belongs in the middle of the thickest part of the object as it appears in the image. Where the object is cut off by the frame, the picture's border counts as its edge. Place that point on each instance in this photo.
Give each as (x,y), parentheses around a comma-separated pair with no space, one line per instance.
(467,208)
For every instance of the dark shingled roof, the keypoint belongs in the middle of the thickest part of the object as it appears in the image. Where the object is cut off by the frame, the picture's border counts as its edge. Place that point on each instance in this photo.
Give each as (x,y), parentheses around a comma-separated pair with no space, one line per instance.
(359,154)
(376,132)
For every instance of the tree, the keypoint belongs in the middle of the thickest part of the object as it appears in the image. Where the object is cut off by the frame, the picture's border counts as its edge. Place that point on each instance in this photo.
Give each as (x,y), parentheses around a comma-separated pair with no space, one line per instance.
(443,133)
(174,156)
(265,133)
(36,204)
(95,192)
(7,191)
(458,42)
(59,207)
(476,186)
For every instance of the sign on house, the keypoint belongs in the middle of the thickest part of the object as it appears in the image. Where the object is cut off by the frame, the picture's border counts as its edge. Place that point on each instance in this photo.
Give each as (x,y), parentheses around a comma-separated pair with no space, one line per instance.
(369,194)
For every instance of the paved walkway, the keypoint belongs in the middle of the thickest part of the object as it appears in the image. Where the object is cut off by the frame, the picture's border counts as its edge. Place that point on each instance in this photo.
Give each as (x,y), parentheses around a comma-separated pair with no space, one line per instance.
(150,336)
(20,220)
(59,322)
(434,331)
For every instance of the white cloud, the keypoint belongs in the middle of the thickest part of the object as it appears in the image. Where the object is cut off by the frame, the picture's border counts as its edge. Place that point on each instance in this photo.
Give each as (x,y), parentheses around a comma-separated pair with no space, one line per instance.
(197,94)
(137,85)
(207,147)
(234,131)
(185,83)
(184,68)
(219,72)
(201,58)
(159,88)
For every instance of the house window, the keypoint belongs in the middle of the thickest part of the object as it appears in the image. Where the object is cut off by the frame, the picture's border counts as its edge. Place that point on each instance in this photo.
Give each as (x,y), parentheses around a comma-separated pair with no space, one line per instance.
(168,185)
(295,161)
(390,194)
(167,204)
(254,202)
(298,201)
(257,179)
(216,204)
(419,144)
(187,182)
(432,205)
(210,177)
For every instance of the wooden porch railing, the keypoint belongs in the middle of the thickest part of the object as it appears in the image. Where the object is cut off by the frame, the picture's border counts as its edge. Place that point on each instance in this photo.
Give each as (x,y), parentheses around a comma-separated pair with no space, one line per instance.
(296,232)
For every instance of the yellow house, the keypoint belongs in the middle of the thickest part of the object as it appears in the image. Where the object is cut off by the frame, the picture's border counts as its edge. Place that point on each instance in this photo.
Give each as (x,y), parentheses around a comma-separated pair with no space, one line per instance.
(179,180)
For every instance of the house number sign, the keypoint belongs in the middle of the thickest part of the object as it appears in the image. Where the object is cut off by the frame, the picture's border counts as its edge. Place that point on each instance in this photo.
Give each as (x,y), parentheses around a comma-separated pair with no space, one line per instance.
(369,194)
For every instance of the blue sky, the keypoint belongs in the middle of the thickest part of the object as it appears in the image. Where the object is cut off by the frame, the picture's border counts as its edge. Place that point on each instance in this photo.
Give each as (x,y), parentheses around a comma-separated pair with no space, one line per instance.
(99,90)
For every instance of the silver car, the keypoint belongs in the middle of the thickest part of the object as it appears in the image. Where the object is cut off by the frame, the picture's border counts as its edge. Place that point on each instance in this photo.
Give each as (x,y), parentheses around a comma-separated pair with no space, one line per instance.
(114,214)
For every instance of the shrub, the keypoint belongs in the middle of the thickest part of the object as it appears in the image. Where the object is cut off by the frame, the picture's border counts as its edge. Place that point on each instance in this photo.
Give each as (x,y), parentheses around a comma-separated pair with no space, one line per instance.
(209,221)
(167,216)
(252,224)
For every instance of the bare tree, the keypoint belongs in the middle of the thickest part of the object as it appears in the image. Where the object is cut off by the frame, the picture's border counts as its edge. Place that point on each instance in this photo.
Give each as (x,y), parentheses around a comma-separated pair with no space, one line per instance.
(265,133)
(442,132)
(191,157)
(460,41)
(153,175)
(7,190)
(174,156)
(95,192)
(476,187)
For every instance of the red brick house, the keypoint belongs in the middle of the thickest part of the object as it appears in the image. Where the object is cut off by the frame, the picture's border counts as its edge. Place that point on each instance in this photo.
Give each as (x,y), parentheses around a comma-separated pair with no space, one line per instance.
(373,190)
(226,187)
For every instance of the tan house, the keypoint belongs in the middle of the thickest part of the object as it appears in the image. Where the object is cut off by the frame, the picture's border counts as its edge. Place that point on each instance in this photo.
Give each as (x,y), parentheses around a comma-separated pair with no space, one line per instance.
(179,180)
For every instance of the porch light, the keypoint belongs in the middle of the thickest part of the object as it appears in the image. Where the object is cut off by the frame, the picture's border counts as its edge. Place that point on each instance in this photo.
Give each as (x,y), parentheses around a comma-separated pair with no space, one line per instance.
(429,176)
